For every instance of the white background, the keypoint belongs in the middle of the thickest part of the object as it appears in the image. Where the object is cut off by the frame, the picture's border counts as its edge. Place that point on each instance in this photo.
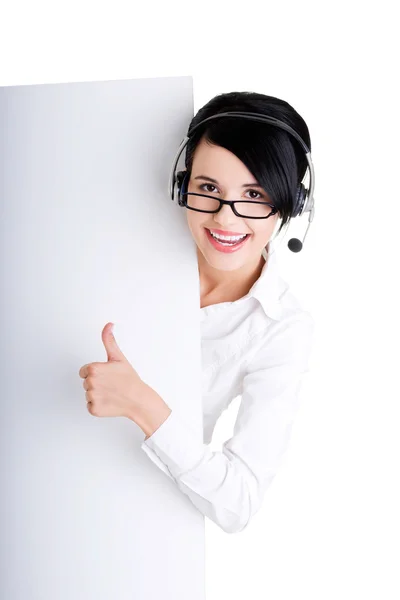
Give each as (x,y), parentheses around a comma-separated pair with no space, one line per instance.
(329,527)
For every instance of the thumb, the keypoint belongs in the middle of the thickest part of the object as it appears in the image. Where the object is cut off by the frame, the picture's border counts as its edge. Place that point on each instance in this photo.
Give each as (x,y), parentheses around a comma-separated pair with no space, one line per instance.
(113,351)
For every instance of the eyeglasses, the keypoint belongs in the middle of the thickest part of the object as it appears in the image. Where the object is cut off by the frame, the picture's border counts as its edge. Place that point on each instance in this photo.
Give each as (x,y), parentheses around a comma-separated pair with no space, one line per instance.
(248,209)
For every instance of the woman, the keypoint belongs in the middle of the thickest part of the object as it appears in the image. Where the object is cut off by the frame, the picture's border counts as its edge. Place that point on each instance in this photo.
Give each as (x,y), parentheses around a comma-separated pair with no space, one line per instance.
(256,338)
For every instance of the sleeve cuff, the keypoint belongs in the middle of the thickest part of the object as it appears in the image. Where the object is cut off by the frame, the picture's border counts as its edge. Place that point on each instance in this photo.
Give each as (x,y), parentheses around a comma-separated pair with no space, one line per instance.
(174,447)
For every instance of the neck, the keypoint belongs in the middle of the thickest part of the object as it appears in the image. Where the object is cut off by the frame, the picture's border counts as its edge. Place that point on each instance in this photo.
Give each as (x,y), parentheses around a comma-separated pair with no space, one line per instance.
(228,285)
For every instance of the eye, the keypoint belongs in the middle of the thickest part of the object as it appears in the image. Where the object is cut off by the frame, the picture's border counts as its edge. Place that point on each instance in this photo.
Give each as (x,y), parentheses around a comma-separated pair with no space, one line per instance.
(257,194)
(204,185)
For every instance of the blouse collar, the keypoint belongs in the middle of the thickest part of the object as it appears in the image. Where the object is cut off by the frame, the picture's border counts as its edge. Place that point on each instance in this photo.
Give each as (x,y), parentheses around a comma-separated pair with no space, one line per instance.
(267,289)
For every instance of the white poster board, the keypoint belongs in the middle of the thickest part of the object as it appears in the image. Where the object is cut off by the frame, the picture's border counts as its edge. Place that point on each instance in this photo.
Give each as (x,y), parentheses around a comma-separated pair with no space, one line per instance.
(89,235)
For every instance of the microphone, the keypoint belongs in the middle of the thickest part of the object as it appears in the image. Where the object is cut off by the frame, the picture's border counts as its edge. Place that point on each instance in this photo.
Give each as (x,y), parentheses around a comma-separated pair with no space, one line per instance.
(294,244)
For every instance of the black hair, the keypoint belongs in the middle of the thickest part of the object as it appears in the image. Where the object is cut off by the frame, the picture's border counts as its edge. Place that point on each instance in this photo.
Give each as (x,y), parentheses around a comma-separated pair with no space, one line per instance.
(272,155)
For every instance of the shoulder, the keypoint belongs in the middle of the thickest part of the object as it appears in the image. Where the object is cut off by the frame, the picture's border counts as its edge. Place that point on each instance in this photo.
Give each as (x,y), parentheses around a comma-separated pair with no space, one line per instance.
(290,334)
(289,338)
(282,352)
(295,318)
(291,319)
(290,304)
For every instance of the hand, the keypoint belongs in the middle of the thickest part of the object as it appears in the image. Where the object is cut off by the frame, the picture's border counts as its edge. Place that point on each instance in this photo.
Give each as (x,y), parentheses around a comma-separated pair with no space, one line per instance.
(114,389)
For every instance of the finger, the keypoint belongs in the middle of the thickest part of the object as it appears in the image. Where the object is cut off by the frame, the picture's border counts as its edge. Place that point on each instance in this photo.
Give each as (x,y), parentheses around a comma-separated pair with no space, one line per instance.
(84,371)
(89,405)
(114,353)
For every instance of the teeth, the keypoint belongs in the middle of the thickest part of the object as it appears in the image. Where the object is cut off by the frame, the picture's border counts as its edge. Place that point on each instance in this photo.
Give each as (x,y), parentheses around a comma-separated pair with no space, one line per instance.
(228,238)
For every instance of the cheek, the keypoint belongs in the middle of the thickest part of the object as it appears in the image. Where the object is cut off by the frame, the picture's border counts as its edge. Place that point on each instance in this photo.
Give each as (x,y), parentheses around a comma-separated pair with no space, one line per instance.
(195,220)
(263,231)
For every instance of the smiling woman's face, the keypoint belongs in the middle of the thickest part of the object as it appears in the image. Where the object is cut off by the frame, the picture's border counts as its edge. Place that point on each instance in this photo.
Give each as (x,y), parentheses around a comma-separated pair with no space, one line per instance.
(229,177)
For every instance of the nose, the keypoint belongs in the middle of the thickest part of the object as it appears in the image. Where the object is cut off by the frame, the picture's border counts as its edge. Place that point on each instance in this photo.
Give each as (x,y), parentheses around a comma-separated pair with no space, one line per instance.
(225,216)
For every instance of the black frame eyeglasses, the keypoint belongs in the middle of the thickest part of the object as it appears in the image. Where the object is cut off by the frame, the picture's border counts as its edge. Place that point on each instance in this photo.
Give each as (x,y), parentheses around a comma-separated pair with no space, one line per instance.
(231,204)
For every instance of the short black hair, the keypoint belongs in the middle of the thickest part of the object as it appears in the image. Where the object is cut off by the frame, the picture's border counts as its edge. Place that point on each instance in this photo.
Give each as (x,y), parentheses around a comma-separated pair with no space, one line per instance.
(272,155)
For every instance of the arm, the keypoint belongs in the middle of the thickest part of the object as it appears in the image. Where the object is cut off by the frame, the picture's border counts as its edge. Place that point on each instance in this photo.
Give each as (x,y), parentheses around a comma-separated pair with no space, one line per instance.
(228,486)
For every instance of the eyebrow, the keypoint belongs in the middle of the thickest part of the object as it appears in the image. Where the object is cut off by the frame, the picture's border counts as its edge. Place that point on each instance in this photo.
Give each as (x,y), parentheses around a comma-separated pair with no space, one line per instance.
(254,184)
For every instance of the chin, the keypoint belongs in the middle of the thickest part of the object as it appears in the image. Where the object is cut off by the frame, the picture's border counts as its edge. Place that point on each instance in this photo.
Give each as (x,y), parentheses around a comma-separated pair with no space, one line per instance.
(224,262)
(233,265)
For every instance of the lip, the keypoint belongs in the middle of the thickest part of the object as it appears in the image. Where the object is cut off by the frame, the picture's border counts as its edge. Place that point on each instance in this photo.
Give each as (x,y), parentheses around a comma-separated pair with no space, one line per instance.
(225,249)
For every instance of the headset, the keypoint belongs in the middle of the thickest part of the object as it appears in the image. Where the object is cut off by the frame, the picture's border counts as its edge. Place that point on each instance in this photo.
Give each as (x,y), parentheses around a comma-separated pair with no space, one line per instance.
(304,200)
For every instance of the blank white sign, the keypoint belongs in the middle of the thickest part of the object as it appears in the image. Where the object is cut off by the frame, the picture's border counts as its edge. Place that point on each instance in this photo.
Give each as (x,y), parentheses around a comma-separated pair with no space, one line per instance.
(89,235)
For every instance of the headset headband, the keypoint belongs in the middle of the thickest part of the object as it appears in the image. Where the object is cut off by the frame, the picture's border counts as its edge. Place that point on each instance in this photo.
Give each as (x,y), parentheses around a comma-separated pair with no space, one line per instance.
(253,117)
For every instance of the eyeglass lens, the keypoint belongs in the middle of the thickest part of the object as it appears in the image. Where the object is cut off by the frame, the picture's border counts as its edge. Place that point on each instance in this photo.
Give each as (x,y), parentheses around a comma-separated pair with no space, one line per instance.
(245,209)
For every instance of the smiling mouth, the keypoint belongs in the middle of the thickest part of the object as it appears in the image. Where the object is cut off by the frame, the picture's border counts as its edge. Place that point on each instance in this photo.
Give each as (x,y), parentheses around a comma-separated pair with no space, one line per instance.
(228,238)
(222,233)
(227,242)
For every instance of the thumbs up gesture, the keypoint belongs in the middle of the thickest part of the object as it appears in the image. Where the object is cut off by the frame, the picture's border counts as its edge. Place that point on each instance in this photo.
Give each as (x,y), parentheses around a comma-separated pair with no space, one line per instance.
(113,388)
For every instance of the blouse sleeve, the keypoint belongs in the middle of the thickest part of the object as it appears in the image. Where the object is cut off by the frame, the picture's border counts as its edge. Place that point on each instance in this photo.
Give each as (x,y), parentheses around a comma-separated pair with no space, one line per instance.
(228,486)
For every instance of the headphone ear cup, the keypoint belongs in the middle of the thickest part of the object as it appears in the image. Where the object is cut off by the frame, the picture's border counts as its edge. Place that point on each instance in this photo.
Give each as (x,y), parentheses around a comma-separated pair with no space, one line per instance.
(182,183)
(178,185)
(301,194)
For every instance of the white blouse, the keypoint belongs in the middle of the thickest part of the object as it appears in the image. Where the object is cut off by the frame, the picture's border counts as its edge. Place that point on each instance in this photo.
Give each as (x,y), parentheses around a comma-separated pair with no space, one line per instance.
(257,347)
